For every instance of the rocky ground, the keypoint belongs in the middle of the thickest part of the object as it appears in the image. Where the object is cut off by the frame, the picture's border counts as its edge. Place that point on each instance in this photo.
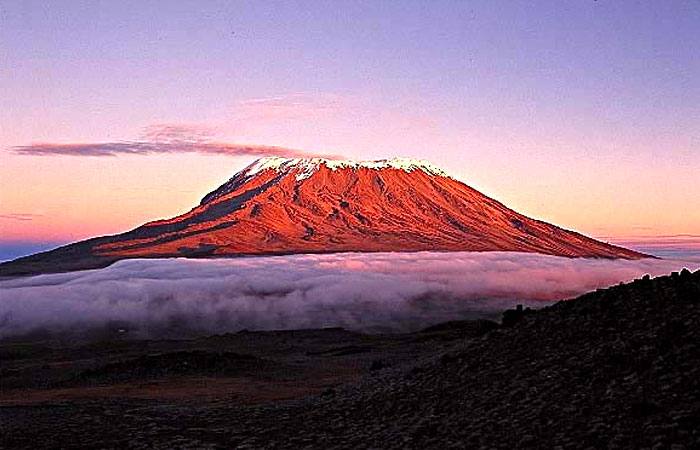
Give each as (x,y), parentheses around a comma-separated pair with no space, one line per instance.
(616,368)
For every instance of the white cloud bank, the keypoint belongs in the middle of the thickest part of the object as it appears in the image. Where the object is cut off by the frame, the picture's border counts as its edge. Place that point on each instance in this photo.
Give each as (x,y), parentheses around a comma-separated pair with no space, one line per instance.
(370,291)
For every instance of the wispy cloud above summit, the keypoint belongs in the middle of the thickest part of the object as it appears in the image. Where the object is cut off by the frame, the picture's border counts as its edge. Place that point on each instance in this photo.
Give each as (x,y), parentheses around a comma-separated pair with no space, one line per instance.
(298,106)
(163,139)
(22,217)
(146,148)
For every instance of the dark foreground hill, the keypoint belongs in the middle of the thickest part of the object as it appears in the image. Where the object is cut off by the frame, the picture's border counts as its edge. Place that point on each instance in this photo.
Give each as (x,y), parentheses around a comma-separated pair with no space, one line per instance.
(616,368)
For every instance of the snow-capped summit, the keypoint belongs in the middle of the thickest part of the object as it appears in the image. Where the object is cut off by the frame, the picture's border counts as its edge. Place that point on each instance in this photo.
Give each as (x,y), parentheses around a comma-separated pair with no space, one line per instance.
(304,167)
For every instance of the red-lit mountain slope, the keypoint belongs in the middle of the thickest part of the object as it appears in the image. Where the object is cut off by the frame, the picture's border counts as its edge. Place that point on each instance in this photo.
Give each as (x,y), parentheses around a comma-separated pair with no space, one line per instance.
(281,206)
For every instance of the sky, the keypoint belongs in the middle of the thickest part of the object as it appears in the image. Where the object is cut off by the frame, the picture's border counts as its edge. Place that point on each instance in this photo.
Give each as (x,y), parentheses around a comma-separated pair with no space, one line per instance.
(582,113)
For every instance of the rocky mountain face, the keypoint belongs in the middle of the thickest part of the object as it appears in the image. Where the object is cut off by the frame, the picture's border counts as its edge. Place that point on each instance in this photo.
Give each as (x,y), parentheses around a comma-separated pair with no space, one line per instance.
(284,206)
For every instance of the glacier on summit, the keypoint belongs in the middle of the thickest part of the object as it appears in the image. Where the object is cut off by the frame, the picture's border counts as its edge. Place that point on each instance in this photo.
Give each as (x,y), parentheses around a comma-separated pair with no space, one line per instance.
(305,167)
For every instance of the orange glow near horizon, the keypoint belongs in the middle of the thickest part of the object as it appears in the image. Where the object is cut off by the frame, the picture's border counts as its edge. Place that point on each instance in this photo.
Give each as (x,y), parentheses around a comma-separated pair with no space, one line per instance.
(66,198)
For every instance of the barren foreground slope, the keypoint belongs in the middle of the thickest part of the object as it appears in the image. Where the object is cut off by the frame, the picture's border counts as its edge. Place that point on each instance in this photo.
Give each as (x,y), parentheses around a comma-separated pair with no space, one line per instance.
(617,368)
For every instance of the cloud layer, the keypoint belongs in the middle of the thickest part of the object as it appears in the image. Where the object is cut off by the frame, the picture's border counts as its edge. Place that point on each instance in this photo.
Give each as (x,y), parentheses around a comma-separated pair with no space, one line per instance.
(382,291)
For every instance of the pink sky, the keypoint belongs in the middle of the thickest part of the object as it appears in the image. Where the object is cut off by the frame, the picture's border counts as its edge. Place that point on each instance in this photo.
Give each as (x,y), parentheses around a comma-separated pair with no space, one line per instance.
(583,115)
(61,197)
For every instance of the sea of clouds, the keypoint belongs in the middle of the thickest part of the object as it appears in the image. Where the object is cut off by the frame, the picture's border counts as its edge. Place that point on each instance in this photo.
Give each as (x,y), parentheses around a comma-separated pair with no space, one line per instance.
(360,291)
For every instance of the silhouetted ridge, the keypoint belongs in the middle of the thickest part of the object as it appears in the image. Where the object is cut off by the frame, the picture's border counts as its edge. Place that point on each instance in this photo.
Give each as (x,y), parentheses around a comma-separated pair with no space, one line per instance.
(618,367)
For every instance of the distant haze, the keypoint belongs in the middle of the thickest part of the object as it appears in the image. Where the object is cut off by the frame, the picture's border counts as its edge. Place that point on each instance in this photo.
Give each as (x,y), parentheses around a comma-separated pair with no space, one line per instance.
(381,291)
(15,249)
(668,247)
(683,246)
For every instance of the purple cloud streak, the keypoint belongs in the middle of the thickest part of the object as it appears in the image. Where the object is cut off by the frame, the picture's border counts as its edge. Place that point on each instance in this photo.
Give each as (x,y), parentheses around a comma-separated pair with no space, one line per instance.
(163,138)
(146,148)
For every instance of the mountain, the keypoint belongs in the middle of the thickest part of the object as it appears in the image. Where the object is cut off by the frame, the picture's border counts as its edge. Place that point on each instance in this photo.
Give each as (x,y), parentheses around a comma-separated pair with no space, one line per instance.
(297,205)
